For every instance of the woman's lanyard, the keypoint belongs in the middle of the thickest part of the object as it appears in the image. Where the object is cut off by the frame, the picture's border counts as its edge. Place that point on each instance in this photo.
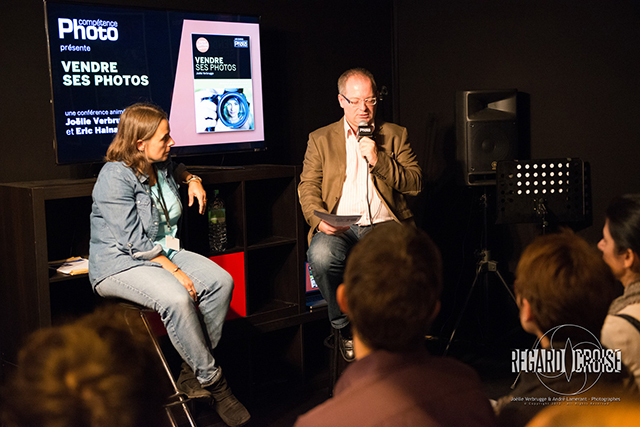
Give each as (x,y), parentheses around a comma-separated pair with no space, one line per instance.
(161,200)
(171,242)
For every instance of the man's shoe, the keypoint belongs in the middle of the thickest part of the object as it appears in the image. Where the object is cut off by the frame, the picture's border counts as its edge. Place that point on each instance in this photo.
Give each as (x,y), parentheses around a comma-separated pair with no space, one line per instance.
(232,412)
(346,347)
(189,384)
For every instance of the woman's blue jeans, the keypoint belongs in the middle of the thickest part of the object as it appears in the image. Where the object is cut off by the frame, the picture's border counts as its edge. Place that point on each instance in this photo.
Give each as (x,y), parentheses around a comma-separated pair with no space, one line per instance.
(327,256)
(157,289)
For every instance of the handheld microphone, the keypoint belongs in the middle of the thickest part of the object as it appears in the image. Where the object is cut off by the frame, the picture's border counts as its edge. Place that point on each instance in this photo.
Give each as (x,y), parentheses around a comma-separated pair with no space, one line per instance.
(364,129)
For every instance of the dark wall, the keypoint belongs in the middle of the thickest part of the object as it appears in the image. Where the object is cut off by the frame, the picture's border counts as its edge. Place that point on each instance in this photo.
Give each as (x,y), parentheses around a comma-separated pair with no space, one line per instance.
(305,47)
(578,63)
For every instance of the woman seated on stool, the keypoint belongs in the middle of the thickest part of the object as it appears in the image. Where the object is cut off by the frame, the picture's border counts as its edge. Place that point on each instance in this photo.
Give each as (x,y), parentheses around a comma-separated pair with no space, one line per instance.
(135,255)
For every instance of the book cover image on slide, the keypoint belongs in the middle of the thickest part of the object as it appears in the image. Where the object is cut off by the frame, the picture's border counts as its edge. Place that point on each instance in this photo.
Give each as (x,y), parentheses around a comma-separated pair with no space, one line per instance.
(222,83)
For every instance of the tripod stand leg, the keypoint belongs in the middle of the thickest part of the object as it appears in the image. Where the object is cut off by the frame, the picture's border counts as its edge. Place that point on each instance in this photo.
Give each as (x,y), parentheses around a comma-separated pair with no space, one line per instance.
(464,307)
(505,285)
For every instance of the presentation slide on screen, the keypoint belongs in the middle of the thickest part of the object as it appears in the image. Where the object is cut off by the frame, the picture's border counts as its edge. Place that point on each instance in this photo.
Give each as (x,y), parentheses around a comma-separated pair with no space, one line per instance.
(222,83)
(218,86)
(205,73)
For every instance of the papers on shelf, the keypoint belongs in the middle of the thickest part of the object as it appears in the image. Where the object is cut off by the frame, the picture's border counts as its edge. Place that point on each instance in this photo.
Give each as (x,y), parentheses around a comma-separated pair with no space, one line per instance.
(74,265)
(337,220)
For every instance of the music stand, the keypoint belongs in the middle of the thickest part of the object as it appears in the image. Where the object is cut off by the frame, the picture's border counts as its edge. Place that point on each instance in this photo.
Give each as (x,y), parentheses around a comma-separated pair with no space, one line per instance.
(545,191)
(548,191)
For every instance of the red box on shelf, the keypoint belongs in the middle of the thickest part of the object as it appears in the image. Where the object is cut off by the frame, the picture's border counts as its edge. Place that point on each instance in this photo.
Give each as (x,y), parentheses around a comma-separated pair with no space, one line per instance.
(234,265)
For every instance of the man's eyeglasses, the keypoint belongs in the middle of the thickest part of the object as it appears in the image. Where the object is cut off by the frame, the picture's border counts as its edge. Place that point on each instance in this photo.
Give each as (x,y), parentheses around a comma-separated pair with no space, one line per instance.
(356,101)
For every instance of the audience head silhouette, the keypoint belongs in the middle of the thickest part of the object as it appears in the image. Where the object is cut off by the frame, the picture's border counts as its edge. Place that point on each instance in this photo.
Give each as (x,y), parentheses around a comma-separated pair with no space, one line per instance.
(392,286)
(96,372)
(561,279)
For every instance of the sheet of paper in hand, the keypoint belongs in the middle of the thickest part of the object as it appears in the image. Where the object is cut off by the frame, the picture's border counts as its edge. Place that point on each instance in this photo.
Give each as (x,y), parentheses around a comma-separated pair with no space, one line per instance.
(337,220)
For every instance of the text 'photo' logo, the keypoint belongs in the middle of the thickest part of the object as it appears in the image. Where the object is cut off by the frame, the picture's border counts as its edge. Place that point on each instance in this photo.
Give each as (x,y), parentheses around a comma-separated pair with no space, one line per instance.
(88,29)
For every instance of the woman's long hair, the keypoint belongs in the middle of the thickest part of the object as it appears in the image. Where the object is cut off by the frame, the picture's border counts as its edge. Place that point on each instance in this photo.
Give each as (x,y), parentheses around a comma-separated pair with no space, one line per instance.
(138,122)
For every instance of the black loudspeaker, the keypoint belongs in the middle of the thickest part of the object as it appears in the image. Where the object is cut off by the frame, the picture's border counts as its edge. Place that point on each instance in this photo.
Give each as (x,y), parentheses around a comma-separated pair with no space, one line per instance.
(486,132)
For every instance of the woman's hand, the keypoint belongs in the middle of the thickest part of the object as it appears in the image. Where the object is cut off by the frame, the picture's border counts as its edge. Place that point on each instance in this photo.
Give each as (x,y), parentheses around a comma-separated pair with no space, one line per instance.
(187,283)
(196,190)
(178,274)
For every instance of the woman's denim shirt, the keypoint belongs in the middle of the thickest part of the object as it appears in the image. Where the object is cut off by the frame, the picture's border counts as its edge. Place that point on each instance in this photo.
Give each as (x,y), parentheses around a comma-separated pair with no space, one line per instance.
(124,220)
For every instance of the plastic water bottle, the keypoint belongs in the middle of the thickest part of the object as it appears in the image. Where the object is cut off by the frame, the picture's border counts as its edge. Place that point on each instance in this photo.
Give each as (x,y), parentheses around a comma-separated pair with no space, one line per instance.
(217,224)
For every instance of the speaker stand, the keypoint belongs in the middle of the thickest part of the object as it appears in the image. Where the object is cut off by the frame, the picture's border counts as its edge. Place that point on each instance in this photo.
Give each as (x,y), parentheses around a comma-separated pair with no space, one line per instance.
(484,266)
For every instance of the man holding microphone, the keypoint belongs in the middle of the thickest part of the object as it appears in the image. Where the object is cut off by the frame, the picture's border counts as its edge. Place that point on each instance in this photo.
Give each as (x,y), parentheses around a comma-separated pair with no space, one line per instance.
(355,166)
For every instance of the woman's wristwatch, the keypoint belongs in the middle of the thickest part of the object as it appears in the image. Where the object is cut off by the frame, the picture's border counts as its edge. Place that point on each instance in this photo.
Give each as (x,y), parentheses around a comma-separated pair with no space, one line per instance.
(193,178)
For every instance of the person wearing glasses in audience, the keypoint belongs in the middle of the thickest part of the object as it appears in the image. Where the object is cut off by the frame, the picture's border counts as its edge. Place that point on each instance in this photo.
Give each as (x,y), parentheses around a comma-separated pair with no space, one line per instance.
(345,173)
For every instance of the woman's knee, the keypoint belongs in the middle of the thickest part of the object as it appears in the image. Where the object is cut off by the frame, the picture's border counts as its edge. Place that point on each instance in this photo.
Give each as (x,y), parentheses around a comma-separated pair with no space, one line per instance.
(180,303)
(219,280)
(225,281)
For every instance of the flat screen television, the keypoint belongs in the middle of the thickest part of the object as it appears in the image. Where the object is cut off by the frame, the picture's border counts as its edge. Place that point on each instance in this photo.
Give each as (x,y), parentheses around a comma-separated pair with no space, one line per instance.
(203,69)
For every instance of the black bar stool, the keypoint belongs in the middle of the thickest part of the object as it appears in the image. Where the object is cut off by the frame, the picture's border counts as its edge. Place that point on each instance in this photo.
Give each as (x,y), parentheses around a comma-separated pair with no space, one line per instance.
(178,398)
